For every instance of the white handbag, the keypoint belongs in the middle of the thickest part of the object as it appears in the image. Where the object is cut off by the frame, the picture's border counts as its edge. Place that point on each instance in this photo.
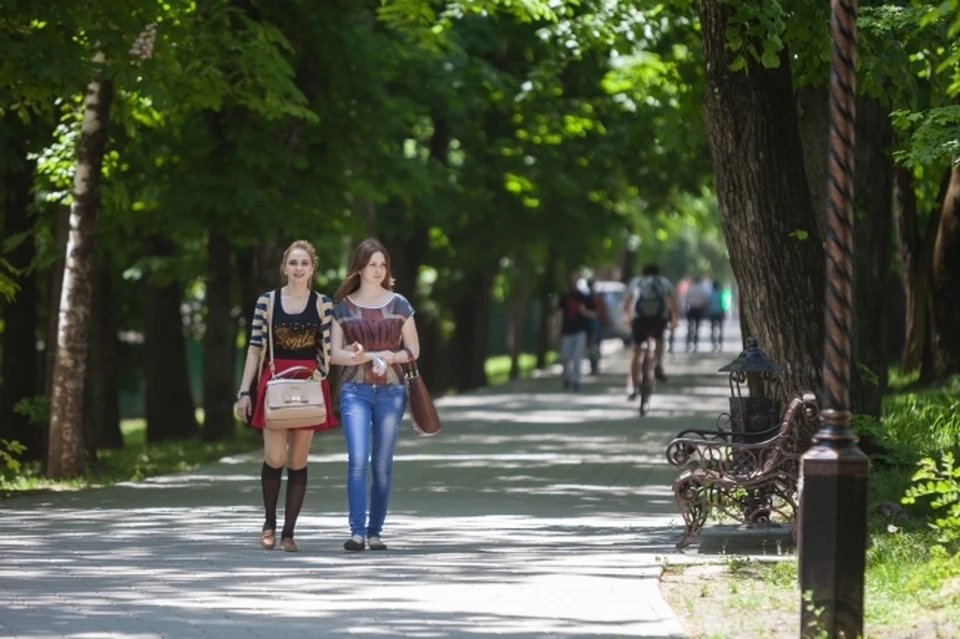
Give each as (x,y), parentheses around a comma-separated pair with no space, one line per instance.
(291,403)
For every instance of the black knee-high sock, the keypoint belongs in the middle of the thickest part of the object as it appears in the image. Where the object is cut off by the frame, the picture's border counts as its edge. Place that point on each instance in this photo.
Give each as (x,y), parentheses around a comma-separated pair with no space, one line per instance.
(296,491)
(270,478)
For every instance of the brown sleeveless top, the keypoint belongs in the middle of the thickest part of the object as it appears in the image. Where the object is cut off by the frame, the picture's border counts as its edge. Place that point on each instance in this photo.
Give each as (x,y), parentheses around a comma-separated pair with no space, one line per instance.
(377,329)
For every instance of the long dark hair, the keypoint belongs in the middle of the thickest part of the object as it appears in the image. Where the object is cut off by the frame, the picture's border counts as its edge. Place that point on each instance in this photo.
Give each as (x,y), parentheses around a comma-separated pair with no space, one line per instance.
(361,257)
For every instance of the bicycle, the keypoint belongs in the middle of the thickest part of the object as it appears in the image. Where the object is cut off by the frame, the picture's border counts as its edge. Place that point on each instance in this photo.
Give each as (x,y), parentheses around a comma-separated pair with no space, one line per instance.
(647,381)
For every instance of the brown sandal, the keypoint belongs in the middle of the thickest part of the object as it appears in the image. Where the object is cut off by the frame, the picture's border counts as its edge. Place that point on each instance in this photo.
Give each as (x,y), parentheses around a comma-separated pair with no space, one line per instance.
(287,544)
(268,539)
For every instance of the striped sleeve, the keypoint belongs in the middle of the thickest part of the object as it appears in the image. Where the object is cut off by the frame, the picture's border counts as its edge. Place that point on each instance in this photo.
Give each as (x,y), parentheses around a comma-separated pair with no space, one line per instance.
(326,322)
(258,327)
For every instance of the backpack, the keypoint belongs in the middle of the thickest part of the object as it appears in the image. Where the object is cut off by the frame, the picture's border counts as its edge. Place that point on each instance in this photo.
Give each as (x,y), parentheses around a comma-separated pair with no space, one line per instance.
(651,299)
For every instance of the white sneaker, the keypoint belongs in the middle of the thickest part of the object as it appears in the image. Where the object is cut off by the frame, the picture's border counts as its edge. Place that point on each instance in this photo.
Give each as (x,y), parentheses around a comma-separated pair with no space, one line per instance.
(374,543)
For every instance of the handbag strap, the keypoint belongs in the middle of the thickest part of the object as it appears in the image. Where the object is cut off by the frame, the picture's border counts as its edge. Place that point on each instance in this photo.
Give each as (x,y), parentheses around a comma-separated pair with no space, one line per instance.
(293,369)
(413,369)
(270,302)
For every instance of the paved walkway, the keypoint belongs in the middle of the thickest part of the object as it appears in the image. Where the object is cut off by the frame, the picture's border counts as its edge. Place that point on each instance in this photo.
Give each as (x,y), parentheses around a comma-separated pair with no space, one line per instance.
(535,514)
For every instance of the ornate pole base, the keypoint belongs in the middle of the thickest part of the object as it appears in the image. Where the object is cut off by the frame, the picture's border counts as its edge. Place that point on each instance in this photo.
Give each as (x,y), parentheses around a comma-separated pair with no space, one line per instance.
(833,539)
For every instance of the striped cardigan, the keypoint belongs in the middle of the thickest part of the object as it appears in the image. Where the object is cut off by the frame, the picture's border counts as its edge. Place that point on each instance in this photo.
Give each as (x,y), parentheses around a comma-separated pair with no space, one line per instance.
(262,316)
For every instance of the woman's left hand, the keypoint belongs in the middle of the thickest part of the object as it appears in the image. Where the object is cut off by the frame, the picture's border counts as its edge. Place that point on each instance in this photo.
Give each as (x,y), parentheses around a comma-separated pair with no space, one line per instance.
(358,354)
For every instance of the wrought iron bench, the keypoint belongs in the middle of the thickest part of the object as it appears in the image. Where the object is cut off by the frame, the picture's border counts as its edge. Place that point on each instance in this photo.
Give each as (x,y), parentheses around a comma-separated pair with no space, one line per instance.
(747,482)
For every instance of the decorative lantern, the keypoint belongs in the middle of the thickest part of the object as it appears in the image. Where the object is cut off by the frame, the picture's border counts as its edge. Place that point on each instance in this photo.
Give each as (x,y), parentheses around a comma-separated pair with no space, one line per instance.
(753,414)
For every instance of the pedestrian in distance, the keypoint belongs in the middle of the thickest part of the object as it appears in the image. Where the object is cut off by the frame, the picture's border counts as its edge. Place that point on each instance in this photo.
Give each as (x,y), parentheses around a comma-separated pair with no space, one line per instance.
(373,331)
(597,324)
(717,314)
(296,321)
(578,311)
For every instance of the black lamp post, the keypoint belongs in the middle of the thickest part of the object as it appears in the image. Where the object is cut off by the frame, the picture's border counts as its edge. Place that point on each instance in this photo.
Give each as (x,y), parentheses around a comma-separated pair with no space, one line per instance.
(834,472)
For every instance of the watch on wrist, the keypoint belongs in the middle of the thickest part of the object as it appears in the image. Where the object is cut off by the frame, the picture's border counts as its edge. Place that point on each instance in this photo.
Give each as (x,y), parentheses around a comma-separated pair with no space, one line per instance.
(242,394)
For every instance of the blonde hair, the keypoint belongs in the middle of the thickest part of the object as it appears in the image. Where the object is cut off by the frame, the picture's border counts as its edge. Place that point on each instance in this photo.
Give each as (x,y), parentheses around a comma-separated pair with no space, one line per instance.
(303,245)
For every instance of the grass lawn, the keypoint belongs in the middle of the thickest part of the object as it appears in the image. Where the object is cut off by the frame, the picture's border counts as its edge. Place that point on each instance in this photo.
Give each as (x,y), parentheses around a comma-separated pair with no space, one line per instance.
(136,460)
(498,367)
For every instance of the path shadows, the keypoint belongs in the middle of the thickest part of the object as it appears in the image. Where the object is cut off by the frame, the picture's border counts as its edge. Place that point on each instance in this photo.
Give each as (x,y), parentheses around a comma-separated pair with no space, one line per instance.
(534,514)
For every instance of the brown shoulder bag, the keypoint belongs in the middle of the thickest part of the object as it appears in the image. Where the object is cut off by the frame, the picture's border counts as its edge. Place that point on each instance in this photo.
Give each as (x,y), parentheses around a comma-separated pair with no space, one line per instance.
(424,415)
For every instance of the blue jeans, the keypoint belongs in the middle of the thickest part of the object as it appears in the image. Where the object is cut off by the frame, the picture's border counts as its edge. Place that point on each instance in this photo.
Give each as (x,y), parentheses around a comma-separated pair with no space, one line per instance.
(571,353)
(371,413)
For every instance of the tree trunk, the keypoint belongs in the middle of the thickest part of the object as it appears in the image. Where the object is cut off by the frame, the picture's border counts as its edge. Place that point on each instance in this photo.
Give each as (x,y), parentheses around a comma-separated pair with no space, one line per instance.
(946,284)
(65,453)
(518,306)
(55,281)
(219,342)
(101,407)
(545,324)
(19,369)
(267,256)
(169,402)
(764,199)
(471,337)
(915,252)
(627,260)
(407,251)
(813,121)
(872,230)
(914,287)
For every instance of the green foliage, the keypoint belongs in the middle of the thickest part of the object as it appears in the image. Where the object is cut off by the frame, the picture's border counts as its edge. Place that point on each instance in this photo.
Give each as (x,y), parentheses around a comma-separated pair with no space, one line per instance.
(10,452)
(943,484)
(35,409)
(934,134)
(8,282)
(755,33)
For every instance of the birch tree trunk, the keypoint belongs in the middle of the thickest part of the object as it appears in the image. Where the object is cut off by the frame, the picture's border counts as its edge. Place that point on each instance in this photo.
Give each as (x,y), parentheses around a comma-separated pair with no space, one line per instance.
(65,457)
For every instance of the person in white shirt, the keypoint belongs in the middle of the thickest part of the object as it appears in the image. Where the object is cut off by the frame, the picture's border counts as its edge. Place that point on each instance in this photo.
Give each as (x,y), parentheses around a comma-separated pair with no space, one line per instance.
(650,306)
(696,301)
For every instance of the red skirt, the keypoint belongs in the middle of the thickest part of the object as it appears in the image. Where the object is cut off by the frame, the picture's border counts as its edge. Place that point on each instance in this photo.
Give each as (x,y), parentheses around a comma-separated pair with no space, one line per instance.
(283,364)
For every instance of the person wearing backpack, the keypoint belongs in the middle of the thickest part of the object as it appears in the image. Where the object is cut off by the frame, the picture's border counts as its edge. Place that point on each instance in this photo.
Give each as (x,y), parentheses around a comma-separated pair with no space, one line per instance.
(650,306)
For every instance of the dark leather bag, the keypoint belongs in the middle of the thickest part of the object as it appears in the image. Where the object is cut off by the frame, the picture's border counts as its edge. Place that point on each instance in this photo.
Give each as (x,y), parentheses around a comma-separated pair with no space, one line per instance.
(426,421)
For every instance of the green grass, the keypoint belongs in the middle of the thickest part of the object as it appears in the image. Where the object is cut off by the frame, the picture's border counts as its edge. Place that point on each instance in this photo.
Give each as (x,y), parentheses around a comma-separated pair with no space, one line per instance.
(928,420)
(135,461)
(498,367)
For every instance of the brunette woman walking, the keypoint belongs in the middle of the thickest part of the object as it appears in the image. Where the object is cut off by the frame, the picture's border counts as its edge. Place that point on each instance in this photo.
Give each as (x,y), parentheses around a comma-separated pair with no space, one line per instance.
(373,329)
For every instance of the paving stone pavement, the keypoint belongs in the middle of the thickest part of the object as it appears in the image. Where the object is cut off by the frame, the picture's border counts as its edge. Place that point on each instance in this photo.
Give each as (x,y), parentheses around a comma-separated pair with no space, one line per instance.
(535,514)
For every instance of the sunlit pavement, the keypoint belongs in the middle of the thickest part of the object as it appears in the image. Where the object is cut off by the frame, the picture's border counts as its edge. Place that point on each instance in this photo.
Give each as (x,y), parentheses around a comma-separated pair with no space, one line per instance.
(534,514)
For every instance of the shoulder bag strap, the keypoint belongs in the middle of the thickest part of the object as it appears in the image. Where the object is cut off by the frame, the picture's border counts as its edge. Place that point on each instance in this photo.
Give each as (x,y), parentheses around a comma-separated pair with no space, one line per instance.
(270,302)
